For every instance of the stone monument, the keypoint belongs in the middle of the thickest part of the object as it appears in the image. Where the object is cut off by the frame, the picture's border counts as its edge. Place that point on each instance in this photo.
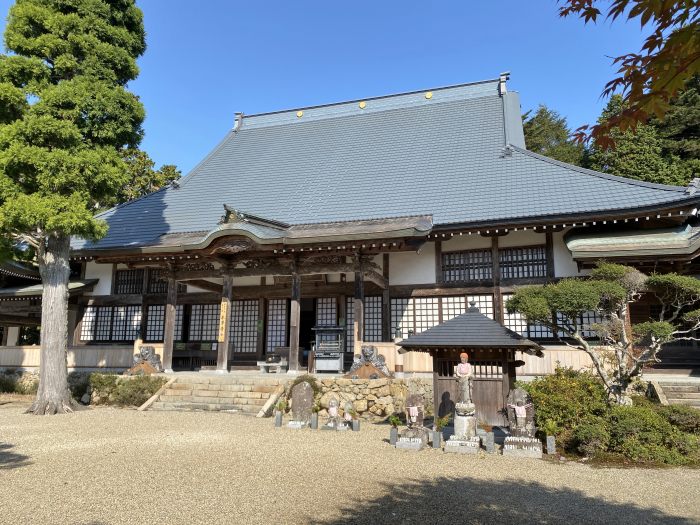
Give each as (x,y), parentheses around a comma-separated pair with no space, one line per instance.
(368,365)
(416,436)
(302,404)
(521,420)
(464,440)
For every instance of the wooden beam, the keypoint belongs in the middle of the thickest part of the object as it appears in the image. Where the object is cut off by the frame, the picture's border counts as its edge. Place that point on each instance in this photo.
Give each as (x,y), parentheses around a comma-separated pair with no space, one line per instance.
(169,329)
(224,324)
(358,310)
(205,285)
(387,336)
(19,320)
(496,273)
(294,320)
(376,278)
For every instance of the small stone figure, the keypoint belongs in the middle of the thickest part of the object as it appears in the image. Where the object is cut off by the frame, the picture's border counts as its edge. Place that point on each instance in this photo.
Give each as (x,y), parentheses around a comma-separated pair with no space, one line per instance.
(465,377)
(368,365)
(415,413)
(521,414)
(334,421)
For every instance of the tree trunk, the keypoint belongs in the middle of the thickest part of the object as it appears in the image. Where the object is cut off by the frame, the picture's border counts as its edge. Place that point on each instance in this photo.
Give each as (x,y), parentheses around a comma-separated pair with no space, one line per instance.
(54,395)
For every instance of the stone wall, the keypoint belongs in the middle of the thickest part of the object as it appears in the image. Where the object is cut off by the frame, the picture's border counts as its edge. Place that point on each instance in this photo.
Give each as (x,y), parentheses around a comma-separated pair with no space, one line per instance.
(375,398)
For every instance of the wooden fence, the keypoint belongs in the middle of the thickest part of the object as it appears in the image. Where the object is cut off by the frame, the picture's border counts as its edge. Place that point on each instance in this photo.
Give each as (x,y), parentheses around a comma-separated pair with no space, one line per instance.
(108,357)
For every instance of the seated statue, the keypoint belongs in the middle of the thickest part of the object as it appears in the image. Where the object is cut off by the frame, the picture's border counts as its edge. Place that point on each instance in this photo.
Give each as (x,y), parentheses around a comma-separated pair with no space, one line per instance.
(521,414)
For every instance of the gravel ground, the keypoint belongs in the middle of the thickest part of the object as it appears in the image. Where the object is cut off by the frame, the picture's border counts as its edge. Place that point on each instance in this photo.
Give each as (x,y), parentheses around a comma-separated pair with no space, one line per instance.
(121,466)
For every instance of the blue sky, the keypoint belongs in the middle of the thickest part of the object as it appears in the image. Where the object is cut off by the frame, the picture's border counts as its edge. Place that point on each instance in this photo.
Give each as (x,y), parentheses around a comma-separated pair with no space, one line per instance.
(207,59)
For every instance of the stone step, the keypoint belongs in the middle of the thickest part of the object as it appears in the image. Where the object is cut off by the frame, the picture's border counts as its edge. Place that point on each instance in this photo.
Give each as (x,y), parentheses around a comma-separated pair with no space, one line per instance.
(196,406)
(682,395)
(691,402)
(675,387)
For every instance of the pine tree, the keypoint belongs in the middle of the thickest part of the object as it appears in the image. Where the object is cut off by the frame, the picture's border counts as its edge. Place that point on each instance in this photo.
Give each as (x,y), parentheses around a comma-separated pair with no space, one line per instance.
(547,133)
(636,154)
(65,117)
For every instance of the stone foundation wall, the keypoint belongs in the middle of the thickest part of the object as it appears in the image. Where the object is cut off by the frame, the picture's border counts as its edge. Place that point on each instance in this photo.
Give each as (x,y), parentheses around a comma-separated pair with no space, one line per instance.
(375,398)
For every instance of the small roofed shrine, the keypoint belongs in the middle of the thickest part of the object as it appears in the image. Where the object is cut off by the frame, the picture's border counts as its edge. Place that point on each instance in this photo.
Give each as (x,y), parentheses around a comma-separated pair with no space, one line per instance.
(491,349)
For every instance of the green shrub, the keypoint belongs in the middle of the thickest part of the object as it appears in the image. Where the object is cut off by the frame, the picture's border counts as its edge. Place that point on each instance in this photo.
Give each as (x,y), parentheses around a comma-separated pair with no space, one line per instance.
(103,386)
(8,383)
(78,383)
(592,436)
(684,418)
(25,387)
(136,391)
(565,399)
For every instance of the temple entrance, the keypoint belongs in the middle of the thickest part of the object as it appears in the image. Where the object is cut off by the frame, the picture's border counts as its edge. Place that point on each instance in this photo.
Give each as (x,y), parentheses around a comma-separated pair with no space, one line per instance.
(307,320)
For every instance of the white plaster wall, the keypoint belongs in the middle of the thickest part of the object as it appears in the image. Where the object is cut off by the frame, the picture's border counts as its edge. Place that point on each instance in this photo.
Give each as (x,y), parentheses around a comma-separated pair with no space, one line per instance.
(521,238)
(465,242)
(103,272)
(245,281)
(564,265)
(12,335)
(412,267)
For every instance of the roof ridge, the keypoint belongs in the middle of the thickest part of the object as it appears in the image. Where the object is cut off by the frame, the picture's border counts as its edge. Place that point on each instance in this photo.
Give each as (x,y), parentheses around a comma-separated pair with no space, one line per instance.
(606,176)
(365,99)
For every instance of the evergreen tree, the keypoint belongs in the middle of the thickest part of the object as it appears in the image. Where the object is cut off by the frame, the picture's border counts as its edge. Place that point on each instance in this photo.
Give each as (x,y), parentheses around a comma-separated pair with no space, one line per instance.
(636,154)
(65,117)
(547,133)
(142,177)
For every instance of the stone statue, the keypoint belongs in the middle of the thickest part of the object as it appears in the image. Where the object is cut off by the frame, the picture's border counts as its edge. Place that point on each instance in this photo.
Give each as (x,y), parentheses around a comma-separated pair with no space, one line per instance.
(465,377)
(146,362)
(368,365)
(334,420)
(521,414)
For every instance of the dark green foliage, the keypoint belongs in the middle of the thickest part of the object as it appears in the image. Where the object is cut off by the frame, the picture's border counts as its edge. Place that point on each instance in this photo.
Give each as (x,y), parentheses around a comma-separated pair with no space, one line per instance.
(660,330)
(592,436)
(308,378)
(684,418)
(137,390)
(565,399)
(12,383)
(547,133)
(112,389)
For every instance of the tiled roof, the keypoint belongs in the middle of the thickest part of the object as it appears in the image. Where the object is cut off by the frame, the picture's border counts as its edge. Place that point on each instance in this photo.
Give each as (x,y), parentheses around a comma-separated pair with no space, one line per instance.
(401,155)
(471,329)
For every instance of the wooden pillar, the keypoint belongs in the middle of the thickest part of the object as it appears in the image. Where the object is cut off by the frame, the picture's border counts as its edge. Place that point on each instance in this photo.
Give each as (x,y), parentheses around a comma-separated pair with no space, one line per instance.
(386,303)
(260,342)
(224,339)
(549,254)
(169,330)
(294,320)
(358,305)
(496,271)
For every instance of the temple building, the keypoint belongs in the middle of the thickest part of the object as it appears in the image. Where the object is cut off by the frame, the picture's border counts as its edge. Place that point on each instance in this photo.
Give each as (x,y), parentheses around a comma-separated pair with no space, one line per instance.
(380,218)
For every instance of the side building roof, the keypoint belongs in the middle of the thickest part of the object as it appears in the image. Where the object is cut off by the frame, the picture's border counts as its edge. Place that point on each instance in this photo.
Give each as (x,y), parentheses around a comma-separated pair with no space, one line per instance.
(455,153)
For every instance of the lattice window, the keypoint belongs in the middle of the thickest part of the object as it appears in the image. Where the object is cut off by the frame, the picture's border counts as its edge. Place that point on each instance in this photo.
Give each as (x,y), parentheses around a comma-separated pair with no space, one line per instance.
(111,323)
(349,324)
(155,323)
(523,263)
(126,323)
(158,282)
(87,328)
(467,266)
(276,324)
(518,323)
(128,281)
(487,369)
(204,322)
(426,312)
(483,302)
(373,318)
(244,325)
(453,306)
(326,311)
(415,314)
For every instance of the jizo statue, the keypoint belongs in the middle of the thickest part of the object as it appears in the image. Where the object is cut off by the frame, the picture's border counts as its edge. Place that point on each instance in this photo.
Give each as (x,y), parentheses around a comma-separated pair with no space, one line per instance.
(465,376)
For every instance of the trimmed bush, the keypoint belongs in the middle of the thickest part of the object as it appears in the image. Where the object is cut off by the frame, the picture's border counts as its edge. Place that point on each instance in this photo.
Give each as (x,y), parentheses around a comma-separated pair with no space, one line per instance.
(684,418)
(136,391)
(564,400)
(592,437)
(111,389)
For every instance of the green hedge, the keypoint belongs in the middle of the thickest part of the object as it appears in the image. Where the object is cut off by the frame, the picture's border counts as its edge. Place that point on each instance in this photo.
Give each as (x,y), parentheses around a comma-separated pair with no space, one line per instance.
(111,389)
(573,405)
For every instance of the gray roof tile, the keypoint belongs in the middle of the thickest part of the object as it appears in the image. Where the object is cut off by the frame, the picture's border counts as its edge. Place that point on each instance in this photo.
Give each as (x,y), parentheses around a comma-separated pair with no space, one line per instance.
(402,155)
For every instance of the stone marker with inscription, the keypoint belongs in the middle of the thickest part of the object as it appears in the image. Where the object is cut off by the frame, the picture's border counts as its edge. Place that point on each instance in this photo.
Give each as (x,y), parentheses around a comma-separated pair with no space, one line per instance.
(302,405)
(416,436)
(521,419)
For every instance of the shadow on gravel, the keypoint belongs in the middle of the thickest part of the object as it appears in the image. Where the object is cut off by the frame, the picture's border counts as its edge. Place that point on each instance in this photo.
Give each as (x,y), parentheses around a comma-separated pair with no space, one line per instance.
(10,460)
(464,500)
